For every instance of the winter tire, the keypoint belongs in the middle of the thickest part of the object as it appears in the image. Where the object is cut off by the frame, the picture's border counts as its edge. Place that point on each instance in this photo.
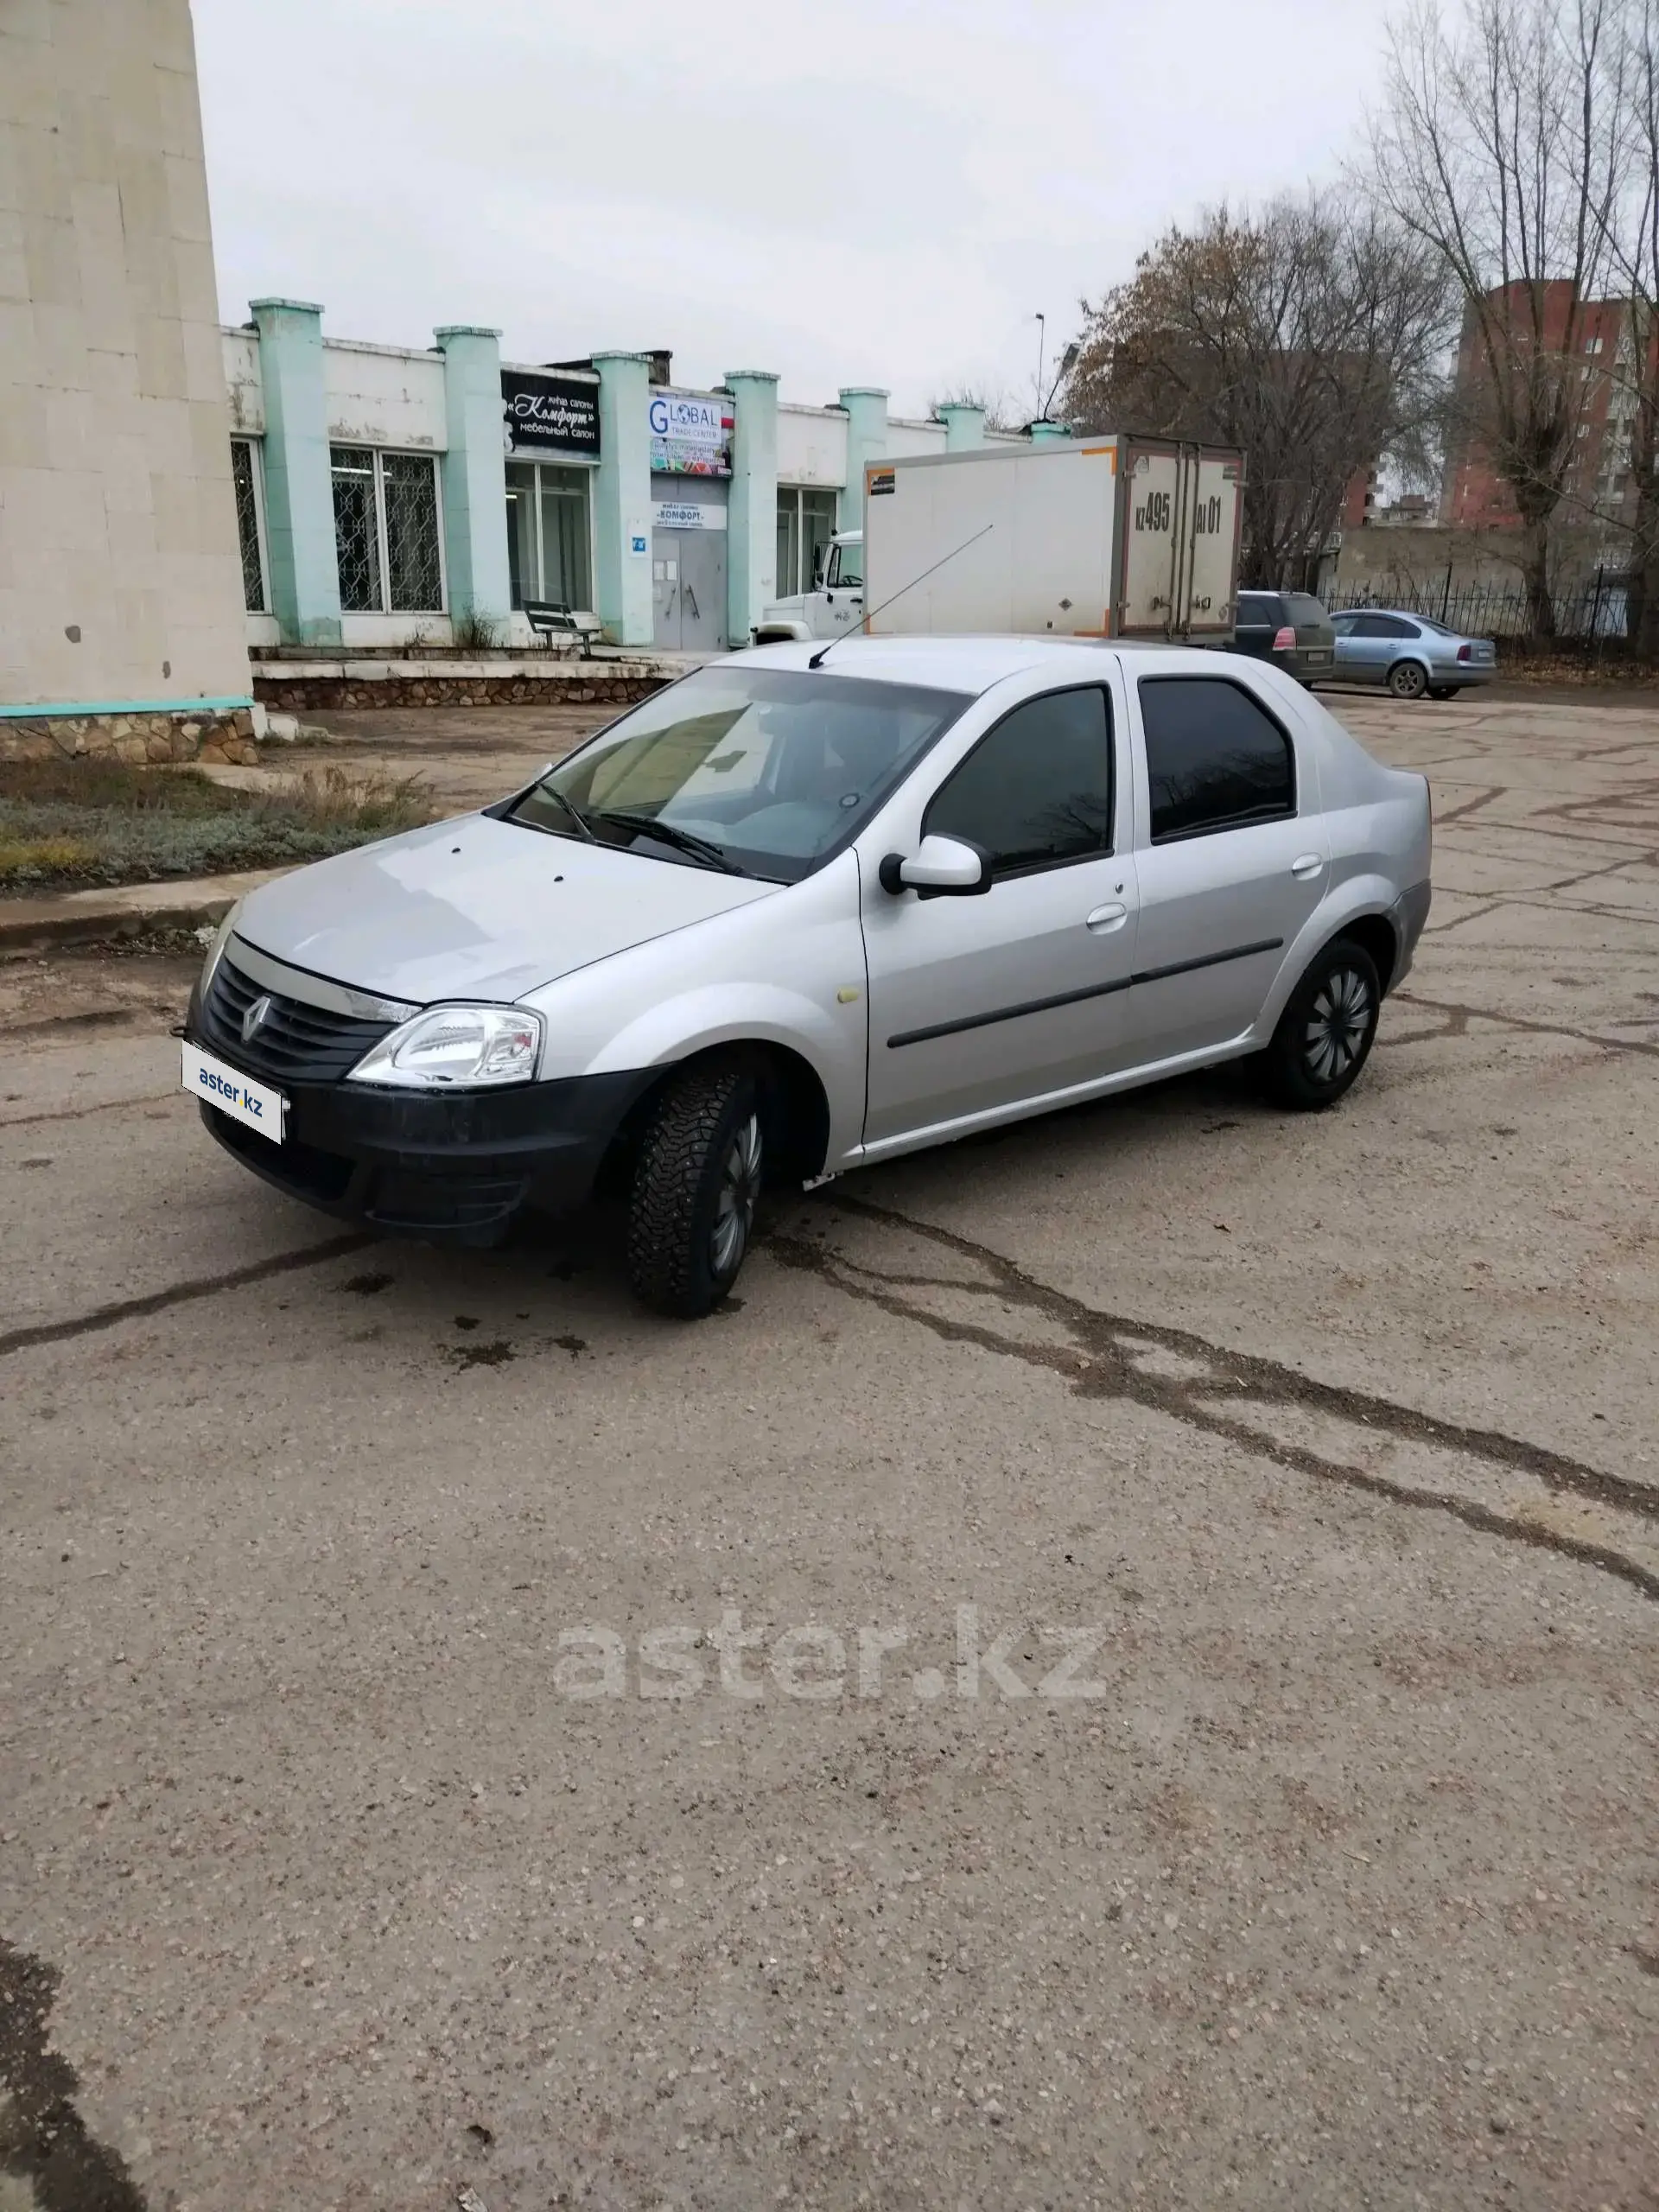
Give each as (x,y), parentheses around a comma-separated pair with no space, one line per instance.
(695,1188)
(1324,1033)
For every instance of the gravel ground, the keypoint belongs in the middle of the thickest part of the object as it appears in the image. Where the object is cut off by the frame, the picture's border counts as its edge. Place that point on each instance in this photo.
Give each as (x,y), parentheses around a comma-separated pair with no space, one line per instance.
(1120,1670)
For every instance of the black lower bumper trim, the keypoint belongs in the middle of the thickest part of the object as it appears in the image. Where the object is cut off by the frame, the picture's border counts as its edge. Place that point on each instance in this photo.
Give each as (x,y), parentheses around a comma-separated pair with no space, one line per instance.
(457,1165)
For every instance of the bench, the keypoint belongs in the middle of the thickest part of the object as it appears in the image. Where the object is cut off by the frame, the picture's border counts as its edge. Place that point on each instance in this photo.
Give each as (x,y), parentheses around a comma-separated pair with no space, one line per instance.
(550,619)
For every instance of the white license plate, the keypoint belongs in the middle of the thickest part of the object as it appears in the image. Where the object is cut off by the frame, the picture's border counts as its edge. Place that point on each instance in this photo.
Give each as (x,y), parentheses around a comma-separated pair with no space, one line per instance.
(234,1093)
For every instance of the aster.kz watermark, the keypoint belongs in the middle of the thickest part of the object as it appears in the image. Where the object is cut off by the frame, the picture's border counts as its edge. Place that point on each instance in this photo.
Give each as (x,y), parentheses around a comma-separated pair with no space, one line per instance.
(819,1664)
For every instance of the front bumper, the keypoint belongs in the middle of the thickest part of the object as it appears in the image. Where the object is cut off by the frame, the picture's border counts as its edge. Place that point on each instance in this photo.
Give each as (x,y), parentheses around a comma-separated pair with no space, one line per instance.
(455,1166)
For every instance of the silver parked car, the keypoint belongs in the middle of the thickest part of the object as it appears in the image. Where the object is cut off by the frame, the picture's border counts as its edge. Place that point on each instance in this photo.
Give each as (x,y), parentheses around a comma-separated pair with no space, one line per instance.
(805,910)
(1415,656)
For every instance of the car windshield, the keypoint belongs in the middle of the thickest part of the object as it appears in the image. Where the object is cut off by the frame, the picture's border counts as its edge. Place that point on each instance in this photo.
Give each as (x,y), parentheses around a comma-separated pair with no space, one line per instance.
(1440,629)
(846,565)
(1304,608)
(765,772)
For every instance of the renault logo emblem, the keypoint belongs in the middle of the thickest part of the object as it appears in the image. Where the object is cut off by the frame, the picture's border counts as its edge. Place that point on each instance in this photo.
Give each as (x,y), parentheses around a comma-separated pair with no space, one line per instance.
(255,1017)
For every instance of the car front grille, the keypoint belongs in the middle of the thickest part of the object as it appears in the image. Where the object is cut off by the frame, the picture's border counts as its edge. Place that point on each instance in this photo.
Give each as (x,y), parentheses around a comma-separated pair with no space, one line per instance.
(295,1043)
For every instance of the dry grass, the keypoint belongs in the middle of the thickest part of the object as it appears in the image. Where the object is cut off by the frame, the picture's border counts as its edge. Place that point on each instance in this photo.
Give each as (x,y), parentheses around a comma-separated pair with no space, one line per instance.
(69,823)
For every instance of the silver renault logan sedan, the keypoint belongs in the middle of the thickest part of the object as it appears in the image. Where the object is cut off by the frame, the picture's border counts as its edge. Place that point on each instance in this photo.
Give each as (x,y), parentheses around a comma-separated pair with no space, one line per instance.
(805,910)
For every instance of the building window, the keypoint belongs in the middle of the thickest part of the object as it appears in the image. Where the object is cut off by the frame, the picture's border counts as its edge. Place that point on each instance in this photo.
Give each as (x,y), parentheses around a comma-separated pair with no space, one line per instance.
(388,540)
(547,535)
(806,523)
(1592,345)
(249,523)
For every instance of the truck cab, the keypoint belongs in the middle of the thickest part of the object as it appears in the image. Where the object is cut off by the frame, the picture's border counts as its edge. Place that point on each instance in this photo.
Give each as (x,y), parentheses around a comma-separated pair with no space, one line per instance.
(831,608)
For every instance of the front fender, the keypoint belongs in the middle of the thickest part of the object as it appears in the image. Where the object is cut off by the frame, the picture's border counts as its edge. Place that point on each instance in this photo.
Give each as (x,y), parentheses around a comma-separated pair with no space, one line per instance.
(832,1041)
(780,631)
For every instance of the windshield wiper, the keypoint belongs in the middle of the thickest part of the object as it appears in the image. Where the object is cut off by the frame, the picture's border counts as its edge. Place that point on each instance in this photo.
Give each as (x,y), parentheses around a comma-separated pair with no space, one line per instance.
(552,791)
(700,848)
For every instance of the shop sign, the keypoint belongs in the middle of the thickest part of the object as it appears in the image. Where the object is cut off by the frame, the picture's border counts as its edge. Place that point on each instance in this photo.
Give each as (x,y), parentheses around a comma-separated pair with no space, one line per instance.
(691,434)
(550,413)
(686,514)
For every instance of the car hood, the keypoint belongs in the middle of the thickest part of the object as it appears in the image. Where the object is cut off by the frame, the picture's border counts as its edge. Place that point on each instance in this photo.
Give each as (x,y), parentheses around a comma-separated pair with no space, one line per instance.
(477,908)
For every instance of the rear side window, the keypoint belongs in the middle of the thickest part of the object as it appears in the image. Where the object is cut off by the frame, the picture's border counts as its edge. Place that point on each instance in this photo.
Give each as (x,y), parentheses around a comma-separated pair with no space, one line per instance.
(1216,757)
(1037,789)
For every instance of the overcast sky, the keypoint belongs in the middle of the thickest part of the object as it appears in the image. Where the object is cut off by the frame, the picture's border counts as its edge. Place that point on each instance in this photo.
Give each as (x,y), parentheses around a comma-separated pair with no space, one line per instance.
(846,191)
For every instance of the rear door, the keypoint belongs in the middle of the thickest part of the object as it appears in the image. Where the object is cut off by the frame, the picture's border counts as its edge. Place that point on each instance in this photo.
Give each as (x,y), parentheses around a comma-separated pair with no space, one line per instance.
(1231,858)
(1261,618)
(1315,639)
(1369,651)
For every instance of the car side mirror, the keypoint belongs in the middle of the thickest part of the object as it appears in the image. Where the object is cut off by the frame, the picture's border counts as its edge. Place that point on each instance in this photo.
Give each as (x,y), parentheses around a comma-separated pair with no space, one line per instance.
(939,864)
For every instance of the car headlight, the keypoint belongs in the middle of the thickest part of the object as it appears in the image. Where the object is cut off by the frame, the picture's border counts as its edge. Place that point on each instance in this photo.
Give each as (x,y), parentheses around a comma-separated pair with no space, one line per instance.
(216,944)
(456,1048)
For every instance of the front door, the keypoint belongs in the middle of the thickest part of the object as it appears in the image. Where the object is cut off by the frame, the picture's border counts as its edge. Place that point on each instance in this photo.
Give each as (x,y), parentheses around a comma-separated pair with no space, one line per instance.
(688,586)
(1236,861)
(979,1003)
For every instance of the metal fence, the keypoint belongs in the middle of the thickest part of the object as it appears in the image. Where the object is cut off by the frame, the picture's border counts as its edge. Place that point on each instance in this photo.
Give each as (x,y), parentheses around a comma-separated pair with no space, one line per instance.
(1592,609)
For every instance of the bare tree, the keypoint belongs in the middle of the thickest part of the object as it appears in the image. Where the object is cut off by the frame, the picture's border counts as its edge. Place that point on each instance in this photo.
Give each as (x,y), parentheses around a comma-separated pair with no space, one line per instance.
(1309,335)
(999,409)
(1502,149)
(1633,249)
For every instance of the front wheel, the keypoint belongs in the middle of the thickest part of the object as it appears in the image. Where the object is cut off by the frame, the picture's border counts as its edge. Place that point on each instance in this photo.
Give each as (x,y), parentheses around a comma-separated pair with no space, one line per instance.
(1324,1033)
(695,1189)
(1407,679)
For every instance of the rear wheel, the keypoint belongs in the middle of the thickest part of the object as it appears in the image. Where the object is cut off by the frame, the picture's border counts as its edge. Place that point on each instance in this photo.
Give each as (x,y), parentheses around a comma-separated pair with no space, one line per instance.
(1443,690)
(695,1189)
(1407,679)
(1325,1034)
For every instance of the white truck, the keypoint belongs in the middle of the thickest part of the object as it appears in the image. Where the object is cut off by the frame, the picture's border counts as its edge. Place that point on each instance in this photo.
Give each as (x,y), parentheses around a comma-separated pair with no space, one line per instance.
(1108,537)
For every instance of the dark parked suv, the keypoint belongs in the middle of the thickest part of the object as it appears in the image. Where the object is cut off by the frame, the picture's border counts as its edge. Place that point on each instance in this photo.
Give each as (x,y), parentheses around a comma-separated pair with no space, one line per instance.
(1290,629)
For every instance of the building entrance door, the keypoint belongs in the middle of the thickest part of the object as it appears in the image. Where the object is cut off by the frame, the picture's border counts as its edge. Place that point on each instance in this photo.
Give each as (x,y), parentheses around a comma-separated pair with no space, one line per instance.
(688,572)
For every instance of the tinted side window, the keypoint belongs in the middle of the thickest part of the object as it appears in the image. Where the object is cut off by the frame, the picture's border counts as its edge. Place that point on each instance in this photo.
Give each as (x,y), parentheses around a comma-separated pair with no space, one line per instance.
(1037,788)
(1215,759)
(1390,625)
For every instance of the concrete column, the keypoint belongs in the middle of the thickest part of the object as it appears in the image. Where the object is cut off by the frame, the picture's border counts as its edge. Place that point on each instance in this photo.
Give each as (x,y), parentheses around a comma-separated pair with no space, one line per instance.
(866,441)
(622,500)
(1050,433)
(474,476)
(299,489)
(964,426)
(752,509)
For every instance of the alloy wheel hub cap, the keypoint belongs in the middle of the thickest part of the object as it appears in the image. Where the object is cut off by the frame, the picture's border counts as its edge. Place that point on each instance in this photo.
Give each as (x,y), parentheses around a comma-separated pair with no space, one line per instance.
(739,1191)
(1336,1025)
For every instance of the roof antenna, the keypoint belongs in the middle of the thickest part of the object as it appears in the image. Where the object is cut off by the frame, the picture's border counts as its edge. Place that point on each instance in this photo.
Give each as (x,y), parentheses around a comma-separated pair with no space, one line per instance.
(817,661)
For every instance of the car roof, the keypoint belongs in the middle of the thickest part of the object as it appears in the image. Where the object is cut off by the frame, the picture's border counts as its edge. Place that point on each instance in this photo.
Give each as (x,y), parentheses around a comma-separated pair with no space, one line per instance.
(972,664)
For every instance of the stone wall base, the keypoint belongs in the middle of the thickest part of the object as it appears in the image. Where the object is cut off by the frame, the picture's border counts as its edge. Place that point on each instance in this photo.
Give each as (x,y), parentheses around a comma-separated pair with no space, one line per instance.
(212,736)
(303,695)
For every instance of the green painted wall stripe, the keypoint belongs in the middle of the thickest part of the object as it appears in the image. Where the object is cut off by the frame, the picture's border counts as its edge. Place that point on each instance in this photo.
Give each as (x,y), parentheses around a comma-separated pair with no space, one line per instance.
(127,707)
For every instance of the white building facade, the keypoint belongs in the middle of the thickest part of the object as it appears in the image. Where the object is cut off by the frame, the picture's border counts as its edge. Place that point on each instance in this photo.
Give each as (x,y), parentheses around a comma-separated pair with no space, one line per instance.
(392,497)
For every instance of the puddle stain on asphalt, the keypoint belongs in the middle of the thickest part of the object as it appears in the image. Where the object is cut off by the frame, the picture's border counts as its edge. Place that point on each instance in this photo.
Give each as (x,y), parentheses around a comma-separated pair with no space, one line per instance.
(495,1353)
(44,2139)
(1109,1356)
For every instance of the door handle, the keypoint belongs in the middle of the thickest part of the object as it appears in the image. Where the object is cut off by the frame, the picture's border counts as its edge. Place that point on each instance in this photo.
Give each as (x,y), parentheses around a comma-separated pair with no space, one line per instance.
(1106,918)
(1308,864)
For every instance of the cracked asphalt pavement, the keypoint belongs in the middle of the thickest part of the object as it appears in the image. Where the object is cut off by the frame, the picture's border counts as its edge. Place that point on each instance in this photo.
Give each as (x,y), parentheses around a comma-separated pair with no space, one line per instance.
(1120,1670)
